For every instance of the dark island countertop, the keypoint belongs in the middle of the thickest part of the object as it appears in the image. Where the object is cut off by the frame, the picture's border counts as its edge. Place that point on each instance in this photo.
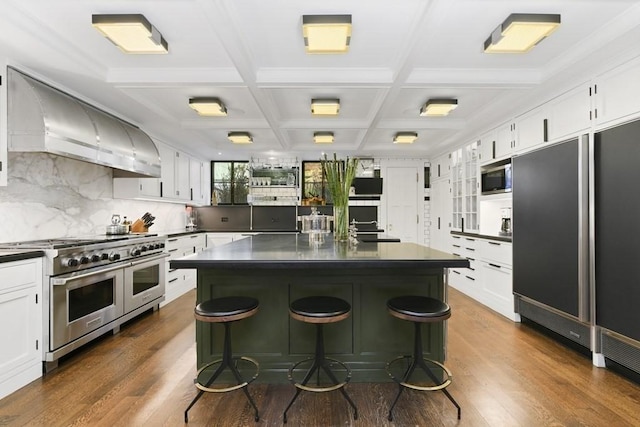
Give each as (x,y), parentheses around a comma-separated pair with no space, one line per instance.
(276,251)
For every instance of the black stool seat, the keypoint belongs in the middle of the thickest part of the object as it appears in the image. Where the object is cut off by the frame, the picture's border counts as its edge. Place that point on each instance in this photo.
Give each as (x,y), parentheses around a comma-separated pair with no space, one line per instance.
(419,308)
(320,310)
(226,309)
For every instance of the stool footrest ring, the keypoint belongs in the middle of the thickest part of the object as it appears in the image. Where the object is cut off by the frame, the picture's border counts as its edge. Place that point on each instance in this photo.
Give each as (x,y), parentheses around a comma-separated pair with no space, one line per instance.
(319,389)
(226,389)
(444,384)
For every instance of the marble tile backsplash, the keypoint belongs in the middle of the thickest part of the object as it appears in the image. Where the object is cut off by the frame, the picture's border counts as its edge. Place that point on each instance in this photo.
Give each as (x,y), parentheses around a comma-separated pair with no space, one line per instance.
(49,196)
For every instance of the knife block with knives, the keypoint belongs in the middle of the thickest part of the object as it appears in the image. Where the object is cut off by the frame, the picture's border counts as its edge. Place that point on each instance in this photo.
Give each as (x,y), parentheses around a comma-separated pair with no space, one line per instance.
(141,225)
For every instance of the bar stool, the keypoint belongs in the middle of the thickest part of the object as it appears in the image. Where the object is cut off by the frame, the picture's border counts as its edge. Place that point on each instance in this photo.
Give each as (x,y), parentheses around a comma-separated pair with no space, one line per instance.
(419,310)
(320,310)
(225,310)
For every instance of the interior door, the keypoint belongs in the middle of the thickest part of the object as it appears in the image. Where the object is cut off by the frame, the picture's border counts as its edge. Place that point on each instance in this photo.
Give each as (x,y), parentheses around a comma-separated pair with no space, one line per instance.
(402,203)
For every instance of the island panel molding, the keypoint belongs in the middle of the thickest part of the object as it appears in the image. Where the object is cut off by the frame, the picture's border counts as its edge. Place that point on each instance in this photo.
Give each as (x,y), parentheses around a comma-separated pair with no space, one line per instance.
(277,269)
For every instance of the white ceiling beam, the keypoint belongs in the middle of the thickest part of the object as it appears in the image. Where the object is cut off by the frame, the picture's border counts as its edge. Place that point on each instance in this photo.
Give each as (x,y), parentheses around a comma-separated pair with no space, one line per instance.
(474,78)
(267,77)
(136,77)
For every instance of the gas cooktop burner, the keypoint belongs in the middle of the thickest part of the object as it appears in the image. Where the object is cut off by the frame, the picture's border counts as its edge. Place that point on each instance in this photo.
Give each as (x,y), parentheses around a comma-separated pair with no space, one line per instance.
(69,242)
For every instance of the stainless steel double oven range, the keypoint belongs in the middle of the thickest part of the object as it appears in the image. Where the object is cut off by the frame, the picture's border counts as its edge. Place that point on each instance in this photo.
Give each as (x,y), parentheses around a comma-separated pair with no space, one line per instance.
(92,286)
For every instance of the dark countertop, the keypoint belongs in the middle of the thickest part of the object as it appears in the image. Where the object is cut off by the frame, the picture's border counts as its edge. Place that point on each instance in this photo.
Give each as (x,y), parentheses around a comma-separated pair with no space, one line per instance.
(19,255)
(483,236)
(178,233)
(294,251)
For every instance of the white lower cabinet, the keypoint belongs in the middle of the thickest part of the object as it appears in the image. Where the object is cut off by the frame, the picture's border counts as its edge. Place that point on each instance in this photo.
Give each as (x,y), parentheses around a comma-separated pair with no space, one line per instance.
(180,281)
(21,324)
(497,289)
(217,239)
(488,279)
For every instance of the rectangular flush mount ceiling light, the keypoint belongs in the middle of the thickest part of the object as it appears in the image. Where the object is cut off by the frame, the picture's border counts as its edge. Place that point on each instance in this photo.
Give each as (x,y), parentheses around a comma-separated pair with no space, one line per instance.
(326,33)
(240,137)
(405,138)
(323,137)
(438,107)
(520,32)
(212,107)
(131,33)
(325,107)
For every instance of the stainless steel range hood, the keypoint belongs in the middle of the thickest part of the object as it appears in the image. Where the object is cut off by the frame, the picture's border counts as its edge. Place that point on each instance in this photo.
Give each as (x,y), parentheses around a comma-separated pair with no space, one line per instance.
(44,119)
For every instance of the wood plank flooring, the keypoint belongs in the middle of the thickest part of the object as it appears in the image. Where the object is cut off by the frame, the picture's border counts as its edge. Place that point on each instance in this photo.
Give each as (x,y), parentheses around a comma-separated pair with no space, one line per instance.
(504,374)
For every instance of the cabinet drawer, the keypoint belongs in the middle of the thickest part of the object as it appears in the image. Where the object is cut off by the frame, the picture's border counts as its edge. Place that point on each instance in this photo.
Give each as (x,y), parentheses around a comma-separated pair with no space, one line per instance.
(497,281)
(499,252)
(173,243)
(19,274)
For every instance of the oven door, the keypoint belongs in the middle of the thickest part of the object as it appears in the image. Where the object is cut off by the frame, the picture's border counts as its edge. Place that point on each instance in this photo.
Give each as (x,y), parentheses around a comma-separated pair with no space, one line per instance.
(144,281)
(82,302)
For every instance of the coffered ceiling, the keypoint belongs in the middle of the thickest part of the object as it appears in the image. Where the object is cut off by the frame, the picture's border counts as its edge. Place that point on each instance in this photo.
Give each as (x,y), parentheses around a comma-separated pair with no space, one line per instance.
(250,54)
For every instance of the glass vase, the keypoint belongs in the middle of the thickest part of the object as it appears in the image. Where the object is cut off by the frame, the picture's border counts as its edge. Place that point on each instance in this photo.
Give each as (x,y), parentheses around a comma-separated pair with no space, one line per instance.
(341,221)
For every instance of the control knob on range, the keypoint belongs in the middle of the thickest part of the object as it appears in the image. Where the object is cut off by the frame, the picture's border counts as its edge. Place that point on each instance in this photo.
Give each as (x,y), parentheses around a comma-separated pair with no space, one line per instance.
(84,259)
(114,256)
(143,248)
(104,256)
(70,262)
(135,251)
(95,258)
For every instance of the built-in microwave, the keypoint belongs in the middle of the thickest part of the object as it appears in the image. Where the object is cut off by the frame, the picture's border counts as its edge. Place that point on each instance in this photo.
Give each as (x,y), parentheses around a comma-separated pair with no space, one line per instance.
(496,178)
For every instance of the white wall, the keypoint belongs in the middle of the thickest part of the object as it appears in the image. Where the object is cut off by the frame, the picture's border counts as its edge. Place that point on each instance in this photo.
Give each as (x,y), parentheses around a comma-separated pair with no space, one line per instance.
(48,196)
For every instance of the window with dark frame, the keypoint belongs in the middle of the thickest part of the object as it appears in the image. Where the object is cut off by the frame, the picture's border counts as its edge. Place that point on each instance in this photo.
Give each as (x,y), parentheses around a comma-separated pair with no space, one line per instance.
(230,182)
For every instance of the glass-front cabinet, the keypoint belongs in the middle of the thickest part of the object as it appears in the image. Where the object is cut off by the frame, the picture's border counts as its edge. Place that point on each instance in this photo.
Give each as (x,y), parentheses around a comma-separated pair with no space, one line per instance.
(464,187)
(457,169)
(281,173)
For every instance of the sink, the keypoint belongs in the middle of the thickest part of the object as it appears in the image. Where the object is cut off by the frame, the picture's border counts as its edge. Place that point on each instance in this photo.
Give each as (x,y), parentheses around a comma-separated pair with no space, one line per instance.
(377,238)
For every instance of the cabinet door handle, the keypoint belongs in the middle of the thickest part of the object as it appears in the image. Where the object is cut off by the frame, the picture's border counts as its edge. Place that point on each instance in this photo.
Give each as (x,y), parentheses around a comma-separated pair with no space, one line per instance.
(470,249)
(470,278)
(494,243)
(173,280)
(456,246)
(545,131)
(457,272)
(471,259)
(494,265)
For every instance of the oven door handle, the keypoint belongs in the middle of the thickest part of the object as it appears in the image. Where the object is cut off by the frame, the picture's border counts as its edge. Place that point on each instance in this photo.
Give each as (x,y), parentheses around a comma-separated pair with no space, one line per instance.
(150,259)
(62,281)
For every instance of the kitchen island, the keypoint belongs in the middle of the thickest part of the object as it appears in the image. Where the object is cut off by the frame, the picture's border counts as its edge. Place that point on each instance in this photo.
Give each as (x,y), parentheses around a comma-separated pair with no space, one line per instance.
(279,268)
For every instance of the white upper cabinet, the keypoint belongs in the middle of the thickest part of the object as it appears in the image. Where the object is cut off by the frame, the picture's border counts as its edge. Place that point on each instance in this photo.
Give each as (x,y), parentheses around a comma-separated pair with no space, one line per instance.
(488,147)
(199,181)
(177,183)
(167,174)
(440,167)
(530,130)
(617,95)
(504,140)
(181,172)
(3,125)
(569,114)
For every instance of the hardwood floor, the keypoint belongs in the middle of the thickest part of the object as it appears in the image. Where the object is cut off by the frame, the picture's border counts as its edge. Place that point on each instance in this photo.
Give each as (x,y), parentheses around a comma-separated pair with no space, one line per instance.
(504,374)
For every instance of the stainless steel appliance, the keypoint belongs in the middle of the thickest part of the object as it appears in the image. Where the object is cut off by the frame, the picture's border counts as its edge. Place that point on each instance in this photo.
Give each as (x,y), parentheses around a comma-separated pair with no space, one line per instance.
(94,285)
(496,178)
(505,222)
